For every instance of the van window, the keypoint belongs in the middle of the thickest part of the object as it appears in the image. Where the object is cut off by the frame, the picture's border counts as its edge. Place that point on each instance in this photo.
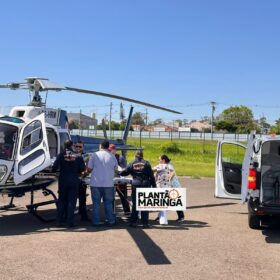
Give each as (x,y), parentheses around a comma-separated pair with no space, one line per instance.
(232,153)
(271,153)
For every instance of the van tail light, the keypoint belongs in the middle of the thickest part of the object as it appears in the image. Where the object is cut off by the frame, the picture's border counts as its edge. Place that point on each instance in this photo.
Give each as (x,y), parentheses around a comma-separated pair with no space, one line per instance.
(252,179)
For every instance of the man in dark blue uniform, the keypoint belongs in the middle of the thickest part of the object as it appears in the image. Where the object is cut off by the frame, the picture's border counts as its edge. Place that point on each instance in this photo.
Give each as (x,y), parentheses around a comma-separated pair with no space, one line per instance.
(143,177)
(79,147)
(70,165)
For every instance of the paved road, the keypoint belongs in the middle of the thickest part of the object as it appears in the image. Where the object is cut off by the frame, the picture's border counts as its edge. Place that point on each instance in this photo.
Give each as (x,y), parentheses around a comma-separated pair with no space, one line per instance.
(214,243)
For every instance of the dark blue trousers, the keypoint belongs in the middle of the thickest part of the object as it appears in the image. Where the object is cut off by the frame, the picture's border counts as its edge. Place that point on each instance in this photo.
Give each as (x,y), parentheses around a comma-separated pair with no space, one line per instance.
(66,204)
(134,213)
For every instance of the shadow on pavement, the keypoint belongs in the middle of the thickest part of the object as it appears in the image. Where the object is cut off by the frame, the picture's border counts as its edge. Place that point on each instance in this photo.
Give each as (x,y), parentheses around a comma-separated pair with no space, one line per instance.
(23,223)
(271,231)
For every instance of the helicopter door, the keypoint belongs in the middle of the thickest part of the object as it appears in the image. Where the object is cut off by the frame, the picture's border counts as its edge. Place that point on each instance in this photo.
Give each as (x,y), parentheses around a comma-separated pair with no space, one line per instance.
(228,179)
(33,151)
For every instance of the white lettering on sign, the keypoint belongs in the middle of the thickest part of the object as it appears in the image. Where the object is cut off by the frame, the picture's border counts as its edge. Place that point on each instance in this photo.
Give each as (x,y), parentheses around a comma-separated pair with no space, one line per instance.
(52,116)
(159,199)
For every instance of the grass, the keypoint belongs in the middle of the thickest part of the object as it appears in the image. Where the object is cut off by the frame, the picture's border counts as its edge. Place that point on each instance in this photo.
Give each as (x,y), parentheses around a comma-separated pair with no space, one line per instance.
(197,158)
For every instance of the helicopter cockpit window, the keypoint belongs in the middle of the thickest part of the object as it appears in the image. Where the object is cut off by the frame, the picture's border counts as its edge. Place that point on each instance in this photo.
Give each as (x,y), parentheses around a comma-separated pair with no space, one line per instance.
(32,137)
(8,136)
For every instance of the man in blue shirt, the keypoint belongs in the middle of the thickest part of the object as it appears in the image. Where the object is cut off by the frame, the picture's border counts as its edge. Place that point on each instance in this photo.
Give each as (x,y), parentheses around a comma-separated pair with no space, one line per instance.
(70,166)
(103,166)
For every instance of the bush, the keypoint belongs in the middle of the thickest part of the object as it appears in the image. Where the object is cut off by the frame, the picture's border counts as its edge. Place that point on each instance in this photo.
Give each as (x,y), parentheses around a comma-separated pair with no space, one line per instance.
(171,148)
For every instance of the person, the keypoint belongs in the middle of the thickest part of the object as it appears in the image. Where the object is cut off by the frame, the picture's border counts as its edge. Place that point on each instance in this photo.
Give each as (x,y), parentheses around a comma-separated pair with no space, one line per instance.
(103,166)
(120,158)
(70,166)
(121,188)
(165,174)
(79,147)
(143,177)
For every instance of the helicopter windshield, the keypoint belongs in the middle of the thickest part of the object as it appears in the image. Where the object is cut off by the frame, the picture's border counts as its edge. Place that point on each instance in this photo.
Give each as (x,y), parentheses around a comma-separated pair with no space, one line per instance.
(8,135)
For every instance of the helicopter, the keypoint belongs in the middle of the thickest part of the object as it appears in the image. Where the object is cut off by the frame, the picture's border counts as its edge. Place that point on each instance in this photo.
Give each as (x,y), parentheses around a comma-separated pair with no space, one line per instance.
(32,136)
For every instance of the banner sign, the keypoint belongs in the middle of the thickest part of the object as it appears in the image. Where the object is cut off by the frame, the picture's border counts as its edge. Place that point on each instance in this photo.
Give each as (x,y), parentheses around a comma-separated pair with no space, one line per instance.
(160,199)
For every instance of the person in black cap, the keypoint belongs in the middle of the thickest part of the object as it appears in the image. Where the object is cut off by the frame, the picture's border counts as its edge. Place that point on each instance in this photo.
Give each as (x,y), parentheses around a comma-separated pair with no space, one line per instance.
(143,177)
(79,148)
(70,166)
(121,188)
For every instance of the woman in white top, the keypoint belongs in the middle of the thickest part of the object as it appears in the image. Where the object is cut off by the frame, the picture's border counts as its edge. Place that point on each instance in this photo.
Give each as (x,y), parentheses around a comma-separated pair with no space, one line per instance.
(164,173)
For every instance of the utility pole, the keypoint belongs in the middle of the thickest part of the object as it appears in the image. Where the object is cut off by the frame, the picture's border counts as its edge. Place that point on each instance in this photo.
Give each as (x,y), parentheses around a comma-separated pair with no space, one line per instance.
(146,118)
(213,107)
(110,118)
(80,122)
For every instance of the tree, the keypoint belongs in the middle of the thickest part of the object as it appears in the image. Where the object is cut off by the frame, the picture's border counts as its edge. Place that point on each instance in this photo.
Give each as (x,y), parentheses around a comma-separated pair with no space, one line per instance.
(276,128)
(74,125)
(115,125)
(138,118)
(180,122)
(263,123)
(236,119)
(156,121)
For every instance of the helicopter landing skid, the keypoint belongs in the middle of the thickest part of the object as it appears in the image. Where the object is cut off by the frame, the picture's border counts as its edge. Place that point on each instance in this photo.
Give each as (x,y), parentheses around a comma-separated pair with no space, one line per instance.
(8,206)
(33,207)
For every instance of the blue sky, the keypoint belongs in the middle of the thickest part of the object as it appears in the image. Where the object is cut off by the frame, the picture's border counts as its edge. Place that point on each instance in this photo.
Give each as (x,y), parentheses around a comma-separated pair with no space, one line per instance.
(180,53)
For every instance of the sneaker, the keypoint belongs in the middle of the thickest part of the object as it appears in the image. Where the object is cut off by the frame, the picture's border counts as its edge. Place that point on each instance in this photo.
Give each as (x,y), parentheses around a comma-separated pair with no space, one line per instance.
(180,220)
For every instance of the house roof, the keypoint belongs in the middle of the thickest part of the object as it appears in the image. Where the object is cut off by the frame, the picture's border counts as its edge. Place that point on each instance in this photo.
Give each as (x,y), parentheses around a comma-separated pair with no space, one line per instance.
(77,116)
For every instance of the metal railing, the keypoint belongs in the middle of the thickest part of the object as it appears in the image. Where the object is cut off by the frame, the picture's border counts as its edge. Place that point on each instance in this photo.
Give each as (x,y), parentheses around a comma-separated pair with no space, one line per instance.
(181,135)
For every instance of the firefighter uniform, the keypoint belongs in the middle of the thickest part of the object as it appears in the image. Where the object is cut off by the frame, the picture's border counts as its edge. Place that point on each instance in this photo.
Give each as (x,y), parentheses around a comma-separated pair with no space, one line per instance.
(143,177)
(70,165)
(79,147)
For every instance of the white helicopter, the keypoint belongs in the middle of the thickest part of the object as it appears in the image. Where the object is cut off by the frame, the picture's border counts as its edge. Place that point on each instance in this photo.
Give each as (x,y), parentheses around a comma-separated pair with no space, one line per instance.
(31,137)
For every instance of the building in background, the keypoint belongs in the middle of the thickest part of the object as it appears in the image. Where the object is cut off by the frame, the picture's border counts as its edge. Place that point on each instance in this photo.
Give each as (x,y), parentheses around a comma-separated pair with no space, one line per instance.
(200,126)
(79,120)
(163,127)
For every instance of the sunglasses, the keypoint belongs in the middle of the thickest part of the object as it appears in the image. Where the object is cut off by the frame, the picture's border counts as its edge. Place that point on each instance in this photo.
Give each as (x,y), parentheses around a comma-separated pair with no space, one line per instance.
(78,146)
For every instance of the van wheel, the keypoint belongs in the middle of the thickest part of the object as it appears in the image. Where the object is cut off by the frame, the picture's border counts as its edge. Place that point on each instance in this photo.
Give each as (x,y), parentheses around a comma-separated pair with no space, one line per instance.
(254,221)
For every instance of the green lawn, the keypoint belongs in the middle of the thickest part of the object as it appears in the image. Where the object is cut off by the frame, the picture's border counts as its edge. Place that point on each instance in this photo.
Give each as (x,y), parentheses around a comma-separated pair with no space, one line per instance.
(197,159)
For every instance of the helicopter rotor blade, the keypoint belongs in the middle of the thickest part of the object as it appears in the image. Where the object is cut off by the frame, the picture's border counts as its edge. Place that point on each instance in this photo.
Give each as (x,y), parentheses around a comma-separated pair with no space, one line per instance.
(12,85)
(121,98)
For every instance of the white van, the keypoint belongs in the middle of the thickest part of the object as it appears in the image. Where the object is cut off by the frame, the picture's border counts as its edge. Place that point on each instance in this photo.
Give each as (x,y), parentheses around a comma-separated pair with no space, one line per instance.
(250,173)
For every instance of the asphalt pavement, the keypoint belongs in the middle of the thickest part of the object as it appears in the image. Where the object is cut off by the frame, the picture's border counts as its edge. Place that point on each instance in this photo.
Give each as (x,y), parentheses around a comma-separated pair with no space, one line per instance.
(214,242)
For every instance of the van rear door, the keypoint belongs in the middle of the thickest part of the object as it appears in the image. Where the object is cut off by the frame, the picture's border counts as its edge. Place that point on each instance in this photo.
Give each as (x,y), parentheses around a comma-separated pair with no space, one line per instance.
(228,177)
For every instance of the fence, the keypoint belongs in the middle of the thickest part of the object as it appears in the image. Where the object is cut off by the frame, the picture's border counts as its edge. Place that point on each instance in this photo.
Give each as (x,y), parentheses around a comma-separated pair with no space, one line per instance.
(117,134)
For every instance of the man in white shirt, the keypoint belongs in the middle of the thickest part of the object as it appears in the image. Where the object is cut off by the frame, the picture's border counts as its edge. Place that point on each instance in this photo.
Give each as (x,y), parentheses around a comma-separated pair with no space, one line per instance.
(102,166)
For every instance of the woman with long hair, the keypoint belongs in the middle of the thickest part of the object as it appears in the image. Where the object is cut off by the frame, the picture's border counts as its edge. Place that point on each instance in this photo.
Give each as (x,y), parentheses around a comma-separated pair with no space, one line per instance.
(165,174)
